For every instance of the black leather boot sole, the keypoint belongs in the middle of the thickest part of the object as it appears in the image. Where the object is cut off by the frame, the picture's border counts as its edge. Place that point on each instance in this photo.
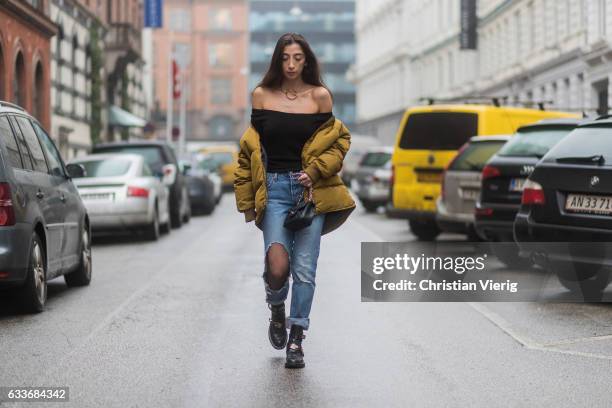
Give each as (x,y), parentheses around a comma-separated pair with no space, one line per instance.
(277,331)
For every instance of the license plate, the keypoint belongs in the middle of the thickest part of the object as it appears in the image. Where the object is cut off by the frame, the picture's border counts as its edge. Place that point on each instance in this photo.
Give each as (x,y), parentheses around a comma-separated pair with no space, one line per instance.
(517,184)
(469,194)
(429,177)
(589,204)
(98,196)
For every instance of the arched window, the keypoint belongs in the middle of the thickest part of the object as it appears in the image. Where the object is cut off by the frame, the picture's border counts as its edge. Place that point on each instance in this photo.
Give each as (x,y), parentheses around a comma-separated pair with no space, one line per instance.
(38,92)
(58,67)
(19,84)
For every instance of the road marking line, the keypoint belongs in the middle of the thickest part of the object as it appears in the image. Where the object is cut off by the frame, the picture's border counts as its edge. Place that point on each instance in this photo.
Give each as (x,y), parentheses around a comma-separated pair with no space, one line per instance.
(529,343)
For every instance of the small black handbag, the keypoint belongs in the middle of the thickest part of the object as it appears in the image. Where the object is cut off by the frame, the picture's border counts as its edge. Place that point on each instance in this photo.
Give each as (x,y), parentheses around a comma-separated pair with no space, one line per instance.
(300,215)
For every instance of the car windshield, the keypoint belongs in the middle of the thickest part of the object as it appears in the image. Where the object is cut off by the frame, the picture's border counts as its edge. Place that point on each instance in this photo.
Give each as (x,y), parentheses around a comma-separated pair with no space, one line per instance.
(152,155)
(533,142)
(583,143)
(375,159)
(106,168)
(438,130)
(211,161)
(474,157)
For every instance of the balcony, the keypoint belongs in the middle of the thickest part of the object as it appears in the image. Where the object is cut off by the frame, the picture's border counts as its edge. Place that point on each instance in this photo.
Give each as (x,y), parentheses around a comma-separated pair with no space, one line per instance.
(124,37)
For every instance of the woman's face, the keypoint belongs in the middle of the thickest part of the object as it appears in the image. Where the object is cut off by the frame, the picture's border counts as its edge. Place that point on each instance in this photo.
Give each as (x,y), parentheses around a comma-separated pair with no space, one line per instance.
(293,61)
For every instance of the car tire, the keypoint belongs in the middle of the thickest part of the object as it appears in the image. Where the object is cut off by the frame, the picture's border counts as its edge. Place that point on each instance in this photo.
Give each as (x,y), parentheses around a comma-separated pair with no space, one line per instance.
(152,231)
(587,280)
(508,254)
(82,275)
(177,220)
(167,227)
(369,206)
(208,208)
(33,295)
(187,216)
(424,230)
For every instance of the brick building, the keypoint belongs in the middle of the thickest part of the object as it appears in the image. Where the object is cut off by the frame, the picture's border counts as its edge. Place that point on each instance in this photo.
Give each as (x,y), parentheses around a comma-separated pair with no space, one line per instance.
(25,35)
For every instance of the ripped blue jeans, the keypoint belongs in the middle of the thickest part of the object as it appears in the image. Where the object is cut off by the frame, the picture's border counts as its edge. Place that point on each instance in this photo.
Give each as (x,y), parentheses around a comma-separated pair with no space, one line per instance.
(284,191)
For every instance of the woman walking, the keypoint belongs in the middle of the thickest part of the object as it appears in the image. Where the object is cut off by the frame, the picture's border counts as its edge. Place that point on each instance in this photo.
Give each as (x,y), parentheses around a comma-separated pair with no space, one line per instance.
(293,151)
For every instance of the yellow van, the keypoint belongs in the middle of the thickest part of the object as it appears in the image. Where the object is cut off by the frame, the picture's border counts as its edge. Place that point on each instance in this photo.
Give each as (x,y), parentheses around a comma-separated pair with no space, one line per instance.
(224,159)
(428,139)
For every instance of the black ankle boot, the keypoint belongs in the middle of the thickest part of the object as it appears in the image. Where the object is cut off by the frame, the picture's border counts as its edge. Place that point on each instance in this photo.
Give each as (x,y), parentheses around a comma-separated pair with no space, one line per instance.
(295,353)
(277,332)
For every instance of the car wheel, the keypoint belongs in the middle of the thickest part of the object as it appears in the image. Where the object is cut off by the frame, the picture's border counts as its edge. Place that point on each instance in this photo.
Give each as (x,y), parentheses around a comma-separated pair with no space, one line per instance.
(218,200)
(208,208)
(152,230)
(424,230)
(187,216)
(177,220)
(34,293)
(369,206)
(589,280)
(508,254)
(82,275)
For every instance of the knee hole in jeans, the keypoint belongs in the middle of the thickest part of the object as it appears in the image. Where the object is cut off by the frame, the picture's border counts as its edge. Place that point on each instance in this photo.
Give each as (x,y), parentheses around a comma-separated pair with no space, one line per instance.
(277,265)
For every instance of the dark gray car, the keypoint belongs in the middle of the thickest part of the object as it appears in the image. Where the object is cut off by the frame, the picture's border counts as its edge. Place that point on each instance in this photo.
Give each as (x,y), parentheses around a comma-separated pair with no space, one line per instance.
(44,227)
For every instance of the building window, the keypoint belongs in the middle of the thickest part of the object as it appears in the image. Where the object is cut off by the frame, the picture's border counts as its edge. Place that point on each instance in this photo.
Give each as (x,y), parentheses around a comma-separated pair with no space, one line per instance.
(221,91)
(75,47)
(38,92)
(180,20)
(19,81)
(221,127)
(220,19)
(220,55)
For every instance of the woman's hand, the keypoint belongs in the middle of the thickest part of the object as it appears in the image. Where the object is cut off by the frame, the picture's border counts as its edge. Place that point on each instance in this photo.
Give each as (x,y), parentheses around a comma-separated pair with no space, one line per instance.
(250,215)
(305,180)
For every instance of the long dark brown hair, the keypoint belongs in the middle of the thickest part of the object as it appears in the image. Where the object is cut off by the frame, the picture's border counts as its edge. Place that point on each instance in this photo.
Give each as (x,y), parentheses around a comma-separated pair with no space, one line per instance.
(311,74)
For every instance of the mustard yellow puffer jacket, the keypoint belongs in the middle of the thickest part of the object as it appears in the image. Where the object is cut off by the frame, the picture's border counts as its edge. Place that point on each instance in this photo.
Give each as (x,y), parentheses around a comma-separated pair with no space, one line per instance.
(322,158)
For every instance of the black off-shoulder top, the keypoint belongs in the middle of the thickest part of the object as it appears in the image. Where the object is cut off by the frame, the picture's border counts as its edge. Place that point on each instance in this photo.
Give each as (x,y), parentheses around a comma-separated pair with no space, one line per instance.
(283,135)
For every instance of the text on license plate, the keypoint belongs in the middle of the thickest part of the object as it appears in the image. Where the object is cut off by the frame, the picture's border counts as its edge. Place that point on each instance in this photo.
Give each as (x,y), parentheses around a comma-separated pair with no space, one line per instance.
(429,177)
(517,184)
(470,193)
(98,196)
(589,204)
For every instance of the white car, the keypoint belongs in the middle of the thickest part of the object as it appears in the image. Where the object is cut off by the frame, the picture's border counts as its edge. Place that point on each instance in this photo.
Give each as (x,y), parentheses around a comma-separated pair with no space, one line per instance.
(120,192)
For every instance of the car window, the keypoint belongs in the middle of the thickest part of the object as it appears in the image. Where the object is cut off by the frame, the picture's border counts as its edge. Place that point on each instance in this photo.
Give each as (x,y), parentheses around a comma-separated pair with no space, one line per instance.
(584,142)
(438,130)
(38,157)
(105,167)
(7,136)
(474,157)
(26,159)
(375,159)
(146,170)
(152,155)
(534,142)
(53,157)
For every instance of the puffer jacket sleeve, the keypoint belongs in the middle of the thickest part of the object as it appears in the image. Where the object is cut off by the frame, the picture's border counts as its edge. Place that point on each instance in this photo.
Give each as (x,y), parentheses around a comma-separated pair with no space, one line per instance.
(243,183)
(329,163)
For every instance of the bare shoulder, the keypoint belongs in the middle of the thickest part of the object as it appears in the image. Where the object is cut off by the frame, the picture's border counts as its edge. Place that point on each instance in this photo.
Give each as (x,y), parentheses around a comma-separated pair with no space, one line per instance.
(257,98)
(323,98)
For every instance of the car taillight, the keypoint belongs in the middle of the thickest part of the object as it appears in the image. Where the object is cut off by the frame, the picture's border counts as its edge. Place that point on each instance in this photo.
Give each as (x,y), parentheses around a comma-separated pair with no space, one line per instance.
(7,215)
(533,194)
(137,192)
(490,172)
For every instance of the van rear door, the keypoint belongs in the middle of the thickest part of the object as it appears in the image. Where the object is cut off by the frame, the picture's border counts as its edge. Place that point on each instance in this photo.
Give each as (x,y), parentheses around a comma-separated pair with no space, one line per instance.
(428,142)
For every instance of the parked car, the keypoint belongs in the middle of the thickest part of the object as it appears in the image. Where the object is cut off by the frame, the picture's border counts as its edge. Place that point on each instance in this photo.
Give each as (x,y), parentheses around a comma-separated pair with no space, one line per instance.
(202,188)
(427,140)
(163,163)
(121,192)
(503,179)
(359,147)
(567,201)
(205,164)
(225,159)
(371,179)
(44,226)
(461,184)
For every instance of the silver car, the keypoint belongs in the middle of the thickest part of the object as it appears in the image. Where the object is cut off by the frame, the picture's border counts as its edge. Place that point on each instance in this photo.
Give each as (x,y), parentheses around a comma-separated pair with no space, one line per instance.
(371,180)
(120,192)
(461,184)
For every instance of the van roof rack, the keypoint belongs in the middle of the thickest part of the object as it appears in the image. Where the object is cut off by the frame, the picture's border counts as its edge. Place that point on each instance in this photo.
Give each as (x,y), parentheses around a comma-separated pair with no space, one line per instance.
(11,105)
(494,100)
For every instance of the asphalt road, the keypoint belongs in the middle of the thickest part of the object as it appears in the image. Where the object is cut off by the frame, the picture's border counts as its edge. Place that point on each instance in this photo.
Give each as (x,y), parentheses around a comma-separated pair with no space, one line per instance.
(183,323)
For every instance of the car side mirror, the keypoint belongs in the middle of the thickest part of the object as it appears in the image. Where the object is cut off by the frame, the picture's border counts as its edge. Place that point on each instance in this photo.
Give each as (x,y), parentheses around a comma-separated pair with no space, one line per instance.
(76,170)
(169,174)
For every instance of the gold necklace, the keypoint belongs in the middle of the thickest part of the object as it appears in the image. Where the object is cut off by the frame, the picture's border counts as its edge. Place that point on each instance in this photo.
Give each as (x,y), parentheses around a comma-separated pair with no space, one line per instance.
(292,94)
